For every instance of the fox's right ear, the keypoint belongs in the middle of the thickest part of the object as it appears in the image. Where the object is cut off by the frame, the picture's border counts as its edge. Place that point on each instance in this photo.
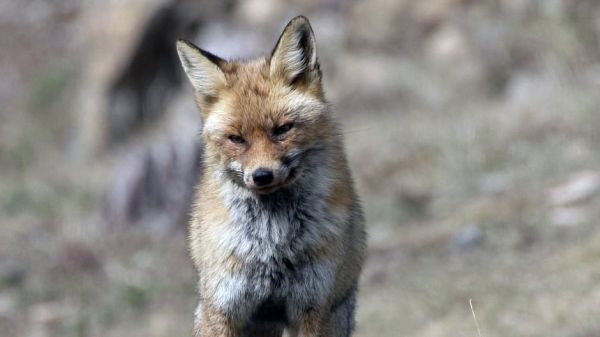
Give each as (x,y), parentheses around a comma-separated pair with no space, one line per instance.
(294,58)
(202,68)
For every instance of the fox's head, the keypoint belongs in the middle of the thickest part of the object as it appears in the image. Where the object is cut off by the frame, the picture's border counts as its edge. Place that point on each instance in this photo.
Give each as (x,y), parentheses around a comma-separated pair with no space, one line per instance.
(264,120)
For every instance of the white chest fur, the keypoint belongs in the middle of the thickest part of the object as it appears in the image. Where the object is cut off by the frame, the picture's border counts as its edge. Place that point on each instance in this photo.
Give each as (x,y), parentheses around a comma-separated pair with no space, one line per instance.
(275,237)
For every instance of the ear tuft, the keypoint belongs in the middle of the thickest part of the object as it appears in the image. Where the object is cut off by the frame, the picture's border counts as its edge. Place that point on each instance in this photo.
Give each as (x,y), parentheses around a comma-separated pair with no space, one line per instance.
(202,68)
(294,57)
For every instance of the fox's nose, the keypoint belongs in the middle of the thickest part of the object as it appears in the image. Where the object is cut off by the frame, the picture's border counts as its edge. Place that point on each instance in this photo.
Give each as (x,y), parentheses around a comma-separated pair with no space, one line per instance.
(262,176)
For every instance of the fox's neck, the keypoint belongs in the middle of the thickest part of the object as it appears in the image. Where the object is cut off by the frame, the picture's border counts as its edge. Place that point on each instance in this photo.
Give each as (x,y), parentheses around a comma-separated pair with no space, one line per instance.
(290,217)
(280,215)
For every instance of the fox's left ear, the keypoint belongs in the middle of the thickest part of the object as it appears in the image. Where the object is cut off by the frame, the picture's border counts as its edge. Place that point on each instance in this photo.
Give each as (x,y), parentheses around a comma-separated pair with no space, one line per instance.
(294,58)
(202,68)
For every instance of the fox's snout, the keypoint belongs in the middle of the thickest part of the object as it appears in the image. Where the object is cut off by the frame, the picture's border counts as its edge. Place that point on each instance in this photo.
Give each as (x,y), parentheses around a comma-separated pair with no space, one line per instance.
(262,177)
(266,178)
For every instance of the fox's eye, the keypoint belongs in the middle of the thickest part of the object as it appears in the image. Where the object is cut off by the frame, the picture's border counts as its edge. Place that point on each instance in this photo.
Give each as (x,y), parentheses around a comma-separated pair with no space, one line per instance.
(280,130)
(236,139)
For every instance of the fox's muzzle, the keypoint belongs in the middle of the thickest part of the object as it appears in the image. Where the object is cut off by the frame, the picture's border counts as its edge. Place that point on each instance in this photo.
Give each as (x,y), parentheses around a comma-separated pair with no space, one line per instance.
(267,178)
(262,177)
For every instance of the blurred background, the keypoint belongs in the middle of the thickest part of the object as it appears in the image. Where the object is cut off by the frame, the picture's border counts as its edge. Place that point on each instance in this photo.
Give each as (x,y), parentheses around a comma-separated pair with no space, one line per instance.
(472,129)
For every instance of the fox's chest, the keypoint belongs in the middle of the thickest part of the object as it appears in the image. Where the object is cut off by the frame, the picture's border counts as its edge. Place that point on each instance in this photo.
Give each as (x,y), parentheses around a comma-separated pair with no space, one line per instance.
(279,270)
(281,290)
(278,235)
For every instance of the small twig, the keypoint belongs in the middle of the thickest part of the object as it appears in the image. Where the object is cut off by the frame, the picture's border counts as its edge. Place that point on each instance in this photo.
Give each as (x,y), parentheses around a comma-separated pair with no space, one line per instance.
(474,317)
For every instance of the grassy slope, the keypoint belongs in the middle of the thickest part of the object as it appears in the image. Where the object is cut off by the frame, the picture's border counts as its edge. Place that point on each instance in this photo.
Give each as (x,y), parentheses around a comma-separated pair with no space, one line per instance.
(490,167)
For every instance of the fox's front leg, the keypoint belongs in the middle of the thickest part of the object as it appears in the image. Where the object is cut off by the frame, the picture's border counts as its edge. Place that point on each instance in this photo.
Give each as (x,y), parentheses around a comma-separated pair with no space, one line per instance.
(340,320)
(309,326)
(334,321)
(213,323)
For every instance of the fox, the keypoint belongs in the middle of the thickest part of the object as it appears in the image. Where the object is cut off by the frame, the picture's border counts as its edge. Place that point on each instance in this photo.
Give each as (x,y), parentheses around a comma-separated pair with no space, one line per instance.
(276,231)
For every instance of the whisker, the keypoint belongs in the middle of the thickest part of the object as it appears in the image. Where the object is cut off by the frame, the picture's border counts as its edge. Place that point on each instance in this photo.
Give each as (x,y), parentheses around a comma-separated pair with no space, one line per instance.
(346,132)
(294,158)
(236,173)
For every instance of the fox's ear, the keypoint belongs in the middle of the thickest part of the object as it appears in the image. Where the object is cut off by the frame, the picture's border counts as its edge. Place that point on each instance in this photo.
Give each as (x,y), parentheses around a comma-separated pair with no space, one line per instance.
(294,58)
(202,68)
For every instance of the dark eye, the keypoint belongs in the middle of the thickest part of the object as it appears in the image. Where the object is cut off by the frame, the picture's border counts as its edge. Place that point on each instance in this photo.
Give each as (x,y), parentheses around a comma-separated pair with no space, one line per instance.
(280,130)
(236,139)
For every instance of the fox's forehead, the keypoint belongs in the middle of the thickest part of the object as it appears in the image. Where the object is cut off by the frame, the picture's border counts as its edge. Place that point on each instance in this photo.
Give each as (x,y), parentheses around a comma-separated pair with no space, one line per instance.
(253,100)
(244,113)
(247,74)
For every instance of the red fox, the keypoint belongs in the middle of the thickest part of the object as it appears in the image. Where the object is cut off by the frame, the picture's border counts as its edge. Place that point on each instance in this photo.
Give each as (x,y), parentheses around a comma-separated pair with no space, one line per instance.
(277,232)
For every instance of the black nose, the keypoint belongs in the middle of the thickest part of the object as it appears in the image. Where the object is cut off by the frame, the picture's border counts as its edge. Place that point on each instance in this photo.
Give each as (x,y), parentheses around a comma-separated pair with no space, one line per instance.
(262,176)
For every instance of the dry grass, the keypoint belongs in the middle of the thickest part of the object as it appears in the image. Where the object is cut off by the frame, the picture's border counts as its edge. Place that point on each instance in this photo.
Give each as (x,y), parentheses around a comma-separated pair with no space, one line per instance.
(488,166)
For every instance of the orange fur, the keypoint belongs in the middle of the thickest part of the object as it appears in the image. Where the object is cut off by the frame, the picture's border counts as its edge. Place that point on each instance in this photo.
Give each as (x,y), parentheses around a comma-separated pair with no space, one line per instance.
(295,247)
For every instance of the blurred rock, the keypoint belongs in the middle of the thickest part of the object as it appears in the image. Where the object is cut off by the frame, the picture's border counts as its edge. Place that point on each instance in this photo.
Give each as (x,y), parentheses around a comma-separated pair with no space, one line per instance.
(77,257)
(154,178)
(153,183)
(133,71)
(517,7)
(331,32)
(259,12)
(12,273)
(568,216)
(8,327)
(448,44)
(399,24)
(580,187)
(467,239)
(375,81)
(7,304)
(414,197)
(433,12)
(496,182)
(130,103)
(370,21)
(48,312)
(525,88)
(231,41)
(108,39)
(8,315)
(151,73)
